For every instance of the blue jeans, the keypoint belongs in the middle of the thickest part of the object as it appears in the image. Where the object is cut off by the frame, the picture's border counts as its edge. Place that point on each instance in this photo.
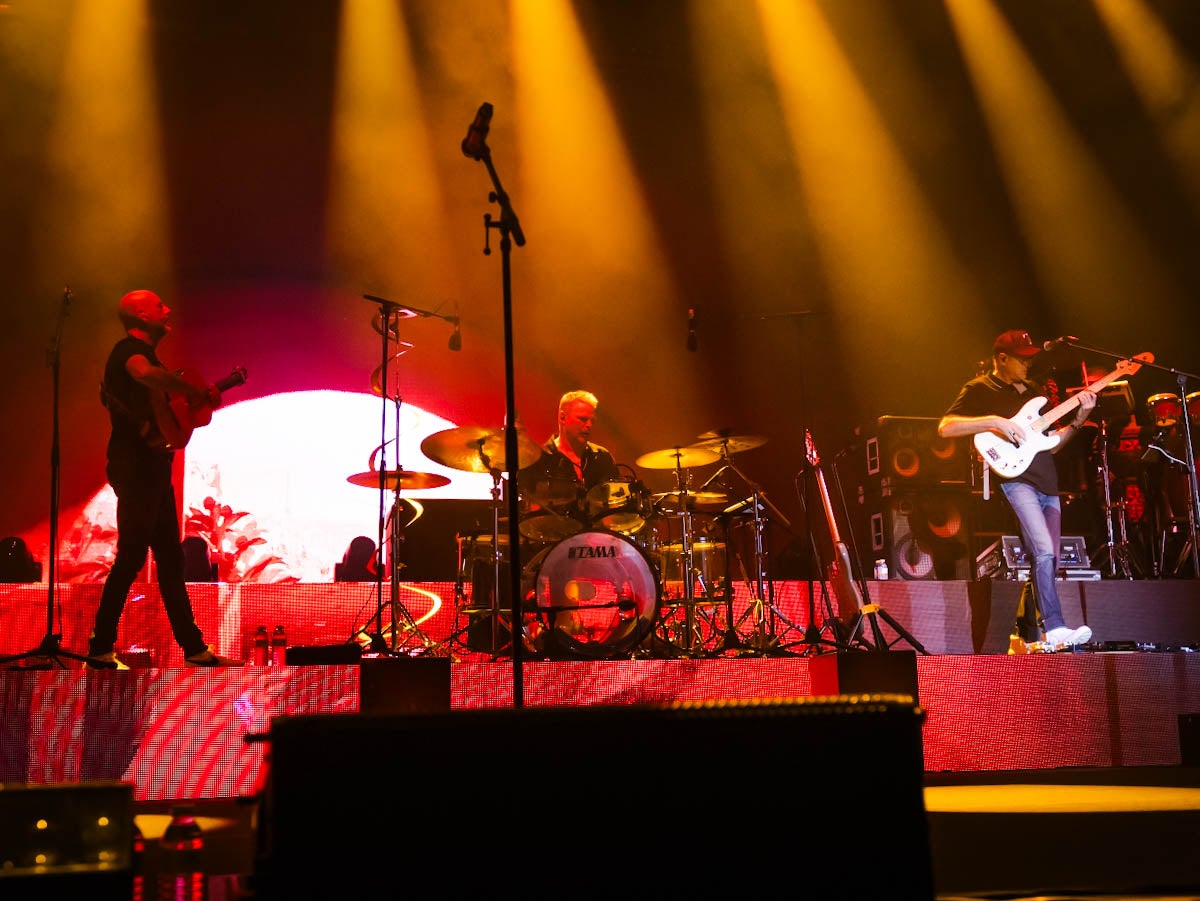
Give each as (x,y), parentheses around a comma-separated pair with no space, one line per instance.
(1040,518)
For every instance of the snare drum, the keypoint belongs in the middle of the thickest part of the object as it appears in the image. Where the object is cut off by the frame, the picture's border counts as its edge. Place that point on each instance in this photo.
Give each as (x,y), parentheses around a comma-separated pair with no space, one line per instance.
(1192,402)
(620,505)
(594,595)
(1164,409)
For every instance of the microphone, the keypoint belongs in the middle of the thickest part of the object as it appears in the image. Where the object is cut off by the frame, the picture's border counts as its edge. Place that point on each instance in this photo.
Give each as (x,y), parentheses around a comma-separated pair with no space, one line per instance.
(473,144)
(692,343)
(456,335)
(1058,342)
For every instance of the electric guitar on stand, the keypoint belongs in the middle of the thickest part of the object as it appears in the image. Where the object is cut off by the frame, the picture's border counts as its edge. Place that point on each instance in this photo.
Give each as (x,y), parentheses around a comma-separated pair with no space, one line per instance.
(852,610)
(1009,460)
(841,576)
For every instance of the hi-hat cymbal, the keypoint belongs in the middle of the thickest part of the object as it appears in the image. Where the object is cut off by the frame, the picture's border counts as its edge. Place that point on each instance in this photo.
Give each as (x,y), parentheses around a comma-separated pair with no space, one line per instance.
(696,500)
(393,318)
(681,457)
(477,449)
(734,444)
(401,477)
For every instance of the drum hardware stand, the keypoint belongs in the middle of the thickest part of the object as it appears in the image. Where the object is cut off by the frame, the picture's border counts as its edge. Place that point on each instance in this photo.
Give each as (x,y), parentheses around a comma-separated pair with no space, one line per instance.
(388,319)
(1181,377)
(1116,552)
(763,638)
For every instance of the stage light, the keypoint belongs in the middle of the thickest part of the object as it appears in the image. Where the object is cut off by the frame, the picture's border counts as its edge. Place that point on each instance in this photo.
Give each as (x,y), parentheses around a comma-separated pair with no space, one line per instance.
(358,563)
(16,561)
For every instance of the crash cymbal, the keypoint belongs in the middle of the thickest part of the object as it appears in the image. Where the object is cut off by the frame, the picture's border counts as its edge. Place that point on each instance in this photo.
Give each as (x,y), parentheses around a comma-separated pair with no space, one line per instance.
(377,375)
(394,317)
(696,500)
(402,477)
(477,449)
(682,457)
(735,444)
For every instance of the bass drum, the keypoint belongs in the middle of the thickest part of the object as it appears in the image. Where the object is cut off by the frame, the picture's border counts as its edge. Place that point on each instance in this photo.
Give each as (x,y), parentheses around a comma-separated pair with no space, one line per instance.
(592,596)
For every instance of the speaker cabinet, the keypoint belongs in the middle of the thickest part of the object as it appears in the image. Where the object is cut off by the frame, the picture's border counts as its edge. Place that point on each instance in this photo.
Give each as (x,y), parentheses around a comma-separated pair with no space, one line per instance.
(597,802)
(923,535)
(67,840)
(905,451)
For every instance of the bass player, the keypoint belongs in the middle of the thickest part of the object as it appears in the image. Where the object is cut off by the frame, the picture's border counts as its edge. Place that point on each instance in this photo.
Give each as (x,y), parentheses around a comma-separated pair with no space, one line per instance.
(139,470)
(987,403)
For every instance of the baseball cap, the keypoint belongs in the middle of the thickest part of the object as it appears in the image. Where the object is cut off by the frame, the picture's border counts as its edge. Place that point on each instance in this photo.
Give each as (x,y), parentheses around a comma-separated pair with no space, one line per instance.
(1016,342)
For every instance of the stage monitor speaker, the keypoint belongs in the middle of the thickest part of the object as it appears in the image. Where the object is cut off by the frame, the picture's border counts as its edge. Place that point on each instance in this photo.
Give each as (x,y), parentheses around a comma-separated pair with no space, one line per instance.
(600,802)
(906,451)
(67,840)
(924,535)
(430,549)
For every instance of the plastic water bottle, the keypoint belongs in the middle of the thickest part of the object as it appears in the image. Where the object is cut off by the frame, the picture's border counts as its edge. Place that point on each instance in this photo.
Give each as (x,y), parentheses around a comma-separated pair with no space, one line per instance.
(137,859)
(278,647)
(261,640)
(182,843)
(881,570)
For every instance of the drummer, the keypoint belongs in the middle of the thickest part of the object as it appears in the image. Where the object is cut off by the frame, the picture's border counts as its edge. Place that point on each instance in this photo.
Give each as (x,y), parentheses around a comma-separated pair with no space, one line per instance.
(570,463)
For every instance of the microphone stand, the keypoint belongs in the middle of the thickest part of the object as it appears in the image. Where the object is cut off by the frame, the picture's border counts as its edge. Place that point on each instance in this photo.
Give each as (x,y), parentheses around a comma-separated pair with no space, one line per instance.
(50,649)
(509,228)
(1181,377)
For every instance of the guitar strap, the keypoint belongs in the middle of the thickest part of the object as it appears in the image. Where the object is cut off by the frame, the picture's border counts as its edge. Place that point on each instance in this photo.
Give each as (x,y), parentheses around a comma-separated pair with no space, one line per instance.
(111,402)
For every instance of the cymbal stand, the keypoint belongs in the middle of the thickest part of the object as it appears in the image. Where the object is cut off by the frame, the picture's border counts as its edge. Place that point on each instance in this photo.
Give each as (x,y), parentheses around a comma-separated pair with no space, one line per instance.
(687,572)
(763,638)
(389,312)
(1117,552)
(1192,547)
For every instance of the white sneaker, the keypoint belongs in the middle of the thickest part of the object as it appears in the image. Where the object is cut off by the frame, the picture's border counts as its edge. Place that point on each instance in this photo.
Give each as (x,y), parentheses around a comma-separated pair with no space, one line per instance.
(1062,636)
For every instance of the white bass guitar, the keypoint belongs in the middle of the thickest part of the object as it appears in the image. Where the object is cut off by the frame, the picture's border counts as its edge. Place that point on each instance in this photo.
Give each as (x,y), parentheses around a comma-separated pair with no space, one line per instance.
(1009,460)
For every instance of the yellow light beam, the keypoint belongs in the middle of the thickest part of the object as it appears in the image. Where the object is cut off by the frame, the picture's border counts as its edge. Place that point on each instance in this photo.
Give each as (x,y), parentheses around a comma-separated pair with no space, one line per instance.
(1090,256)
(1164,78)
(108,197)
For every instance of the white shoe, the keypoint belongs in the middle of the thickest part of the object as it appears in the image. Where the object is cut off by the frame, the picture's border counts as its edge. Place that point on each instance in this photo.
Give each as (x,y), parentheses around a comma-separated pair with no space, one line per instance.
(1062,636)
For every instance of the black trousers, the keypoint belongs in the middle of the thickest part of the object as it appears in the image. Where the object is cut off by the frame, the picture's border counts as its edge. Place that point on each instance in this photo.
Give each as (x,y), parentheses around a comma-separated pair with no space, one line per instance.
(147,520)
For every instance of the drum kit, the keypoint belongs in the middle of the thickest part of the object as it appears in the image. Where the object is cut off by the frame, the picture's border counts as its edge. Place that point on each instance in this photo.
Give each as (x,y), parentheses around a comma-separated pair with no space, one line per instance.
(611,571)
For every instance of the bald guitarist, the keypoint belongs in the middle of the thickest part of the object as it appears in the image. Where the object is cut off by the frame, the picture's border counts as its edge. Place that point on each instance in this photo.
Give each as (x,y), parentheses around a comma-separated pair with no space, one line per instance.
(989,407)
(139,470)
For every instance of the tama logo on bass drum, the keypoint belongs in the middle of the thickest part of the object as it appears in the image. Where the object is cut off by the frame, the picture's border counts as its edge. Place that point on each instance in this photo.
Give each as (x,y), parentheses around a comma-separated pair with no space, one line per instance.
(587,552)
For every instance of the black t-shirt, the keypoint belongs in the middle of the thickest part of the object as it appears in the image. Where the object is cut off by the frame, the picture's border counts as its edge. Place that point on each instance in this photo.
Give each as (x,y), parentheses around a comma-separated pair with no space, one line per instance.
(128,401)
(598,466)
(553,472)
(986,395)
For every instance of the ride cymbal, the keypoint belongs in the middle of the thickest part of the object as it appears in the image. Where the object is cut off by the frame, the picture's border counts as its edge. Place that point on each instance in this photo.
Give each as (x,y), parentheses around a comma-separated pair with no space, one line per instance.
(477,449)
(401,478)
(678,457)
(734,444)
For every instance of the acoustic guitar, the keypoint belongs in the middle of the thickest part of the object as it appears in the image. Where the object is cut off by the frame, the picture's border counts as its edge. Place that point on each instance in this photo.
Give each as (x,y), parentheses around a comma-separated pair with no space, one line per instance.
(1009,460)
(174,417)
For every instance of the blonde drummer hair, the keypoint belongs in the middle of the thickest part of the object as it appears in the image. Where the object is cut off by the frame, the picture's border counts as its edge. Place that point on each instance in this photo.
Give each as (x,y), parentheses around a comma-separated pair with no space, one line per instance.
(574,396)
